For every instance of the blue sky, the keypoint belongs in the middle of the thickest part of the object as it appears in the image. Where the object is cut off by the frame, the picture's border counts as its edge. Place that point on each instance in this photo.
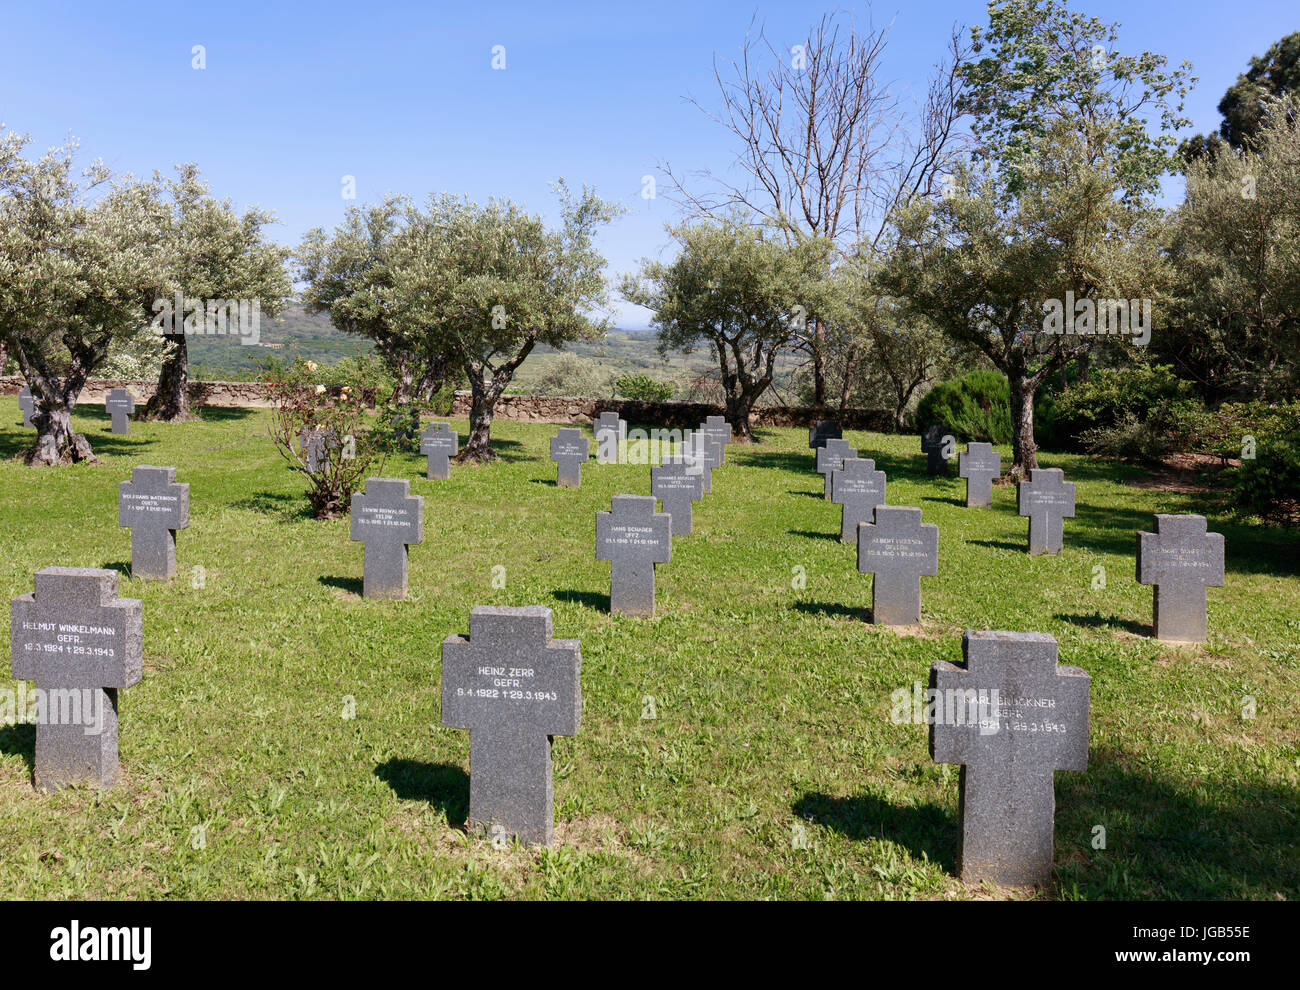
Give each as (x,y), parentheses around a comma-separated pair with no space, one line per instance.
(403,96)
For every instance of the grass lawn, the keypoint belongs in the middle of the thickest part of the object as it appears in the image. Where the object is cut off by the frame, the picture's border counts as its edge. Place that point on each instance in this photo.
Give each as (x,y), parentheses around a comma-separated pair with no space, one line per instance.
(771,768)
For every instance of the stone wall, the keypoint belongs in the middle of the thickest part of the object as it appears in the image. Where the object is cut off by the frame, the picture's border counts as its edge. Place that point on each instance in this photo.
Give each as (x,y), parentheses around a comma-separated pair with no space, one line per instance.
(519,408)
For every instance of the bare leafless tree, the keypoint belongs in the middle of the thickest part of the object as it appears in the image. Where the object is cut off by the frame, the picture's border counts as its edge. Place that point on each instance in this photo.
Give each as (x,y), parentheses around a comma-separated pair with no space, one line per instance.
(827,148)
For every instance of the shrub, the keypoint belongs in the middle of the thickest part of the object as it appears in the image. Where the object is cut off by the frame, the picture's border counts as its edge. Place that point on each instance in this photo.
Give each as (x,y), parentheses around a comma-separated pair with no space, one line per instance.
(643,388)
(976,407)
(1085,411)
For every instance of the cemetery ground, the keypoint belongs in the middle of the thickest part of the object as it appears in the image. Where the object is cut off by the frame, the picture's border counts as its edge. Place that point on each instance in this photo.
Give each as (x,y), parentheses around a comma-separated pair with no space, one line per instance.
(739,744)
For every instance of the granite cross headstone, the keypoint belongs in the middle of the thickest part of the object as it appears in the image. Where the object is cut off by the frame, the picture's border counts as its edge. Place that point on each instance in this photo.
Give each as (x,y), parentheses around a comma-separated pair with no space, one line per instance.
(154,506)
(1033,723)
(81,644)
(514,688)
(387,519)
(898,549)
(1047,499)
(439,443)
(823,430)
(678,482)
(633,538)
(610,433)
(720,430)
(26,405)
(858,487)
(706,452)
(120,405)
(1180,559)
(830,458)
(979,464)
(569,450)
(937,443)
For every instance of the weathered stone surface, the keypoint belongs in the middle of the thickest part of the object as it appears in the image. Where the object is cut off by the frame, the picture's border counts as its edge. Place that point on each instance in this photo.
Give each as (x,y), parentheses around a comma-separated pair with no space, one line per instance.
(439,444)
(1047,499)
(121,406)
(678,483)
(26,405)
(81,644)
(1031,720)
(821,431)
(610,432)
(937,443)
(387,519)
(830,458)
(514,688)
(898,549)
(569,450)
(1180,559)
(858,488)
(154,506)
(633,538)
(979,464)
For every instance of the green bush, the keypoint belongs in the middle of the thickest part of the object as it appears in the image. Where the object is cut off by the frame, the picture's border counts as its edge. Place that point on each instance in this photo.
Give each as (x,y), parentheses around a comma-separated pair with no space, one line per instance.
(1266,485)
(643,388)
(1084,413)
(976,407)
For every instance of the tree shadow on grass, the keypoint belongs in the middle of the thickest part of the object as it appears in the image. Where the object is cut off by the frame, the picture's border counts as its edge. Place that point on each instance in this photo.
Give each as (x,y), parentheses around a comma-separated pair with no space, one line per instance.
(1171,834)
(20,740)
(445,786)
(222,414)
(834,610)
(591,599)
(776,460)
(1099,621)
(815,536)
(354,586)
(288,508)
(925,830)
(999,545)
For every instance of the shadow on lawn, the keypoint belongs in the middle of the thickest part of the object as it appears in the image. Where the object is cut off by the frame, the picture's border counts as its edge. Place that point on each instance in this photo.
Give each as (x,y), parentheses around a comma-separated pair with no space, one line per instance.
(289,508)
(834,610)
(354,586)
(776,460)
(817,495)
(20,740)
(926,830)
(835,537)
(1099,621)
(1001,545)
(591,599)
(443,785)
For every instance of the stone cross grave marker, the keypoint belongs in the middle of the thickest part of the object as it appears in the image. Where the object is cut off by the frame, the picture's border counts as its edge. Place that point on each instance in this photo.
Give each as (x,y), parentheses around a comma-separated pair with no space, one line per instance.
(387,519)
(633,538)
(26,405)
(705,450)
(937,443)
(514,688)
(154,506)
(678,483)
(1180,559)
(858,488)
(898,549)
(720,430)
(439,444)
(821,431)
(315,443)
(120,405)
(979,464)
(830,458)
(1036,723)
(81,644)
(1048,500)
(611,433)
(569,450)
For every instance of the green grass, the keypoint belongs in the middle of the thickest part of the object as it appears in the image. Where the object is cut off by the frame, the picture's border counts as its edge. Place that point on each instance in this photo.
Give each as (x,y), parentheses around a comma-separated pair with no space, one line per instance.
(772,703)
